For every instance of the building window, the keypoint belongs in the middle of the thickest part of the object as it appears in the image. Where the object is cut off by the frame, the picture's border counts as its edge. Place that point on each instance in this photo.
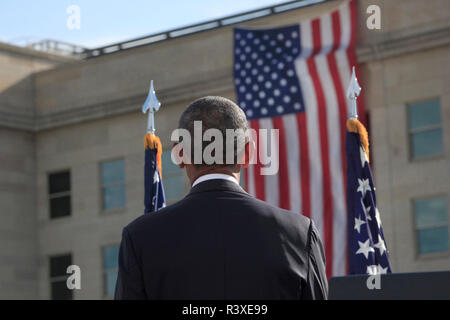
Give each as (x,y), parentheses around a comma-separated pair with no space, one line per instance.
(113,184)
(172,178)
(425,129)
(110,269)
(58,277)
(59,194)
(432,226)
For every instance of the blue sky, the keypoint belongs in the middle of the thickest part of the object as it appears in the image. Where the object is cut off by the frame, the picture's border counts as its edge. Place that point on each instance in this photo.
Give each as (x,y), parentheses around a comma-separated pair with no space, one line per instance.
(107,21)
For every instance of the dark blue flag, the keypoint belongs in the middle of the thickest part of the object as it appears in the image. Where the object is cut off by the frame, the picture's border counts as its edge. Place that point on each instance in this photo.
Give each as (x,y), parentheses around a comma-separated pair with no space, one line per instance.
(367,247)
(154,197)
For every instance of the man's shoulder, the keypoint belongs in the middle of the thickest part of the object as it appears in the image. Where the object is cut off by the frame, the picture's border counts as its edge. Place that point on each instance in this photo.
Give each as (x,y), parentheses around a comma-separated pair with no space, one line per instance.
(152,219)
(284,213)
(168,215)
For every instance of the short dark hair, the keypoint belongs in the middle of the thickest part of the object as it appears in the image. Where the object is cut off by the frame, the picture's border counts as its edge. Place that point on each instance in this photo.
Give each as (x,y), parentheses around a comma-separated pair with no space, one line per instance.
(215,113)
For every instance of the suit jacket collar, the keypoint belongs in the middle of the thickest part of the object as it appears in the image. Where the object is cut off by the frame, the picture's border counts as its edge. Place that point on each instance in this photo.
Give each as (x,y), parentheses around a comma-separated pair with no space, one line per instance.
(216,185)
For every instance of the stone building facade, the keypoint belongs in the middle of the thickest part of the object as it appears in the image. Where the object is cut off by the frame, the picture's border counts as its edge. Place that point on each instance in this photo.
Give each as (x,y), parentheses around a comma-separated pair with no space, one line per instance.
(77,116)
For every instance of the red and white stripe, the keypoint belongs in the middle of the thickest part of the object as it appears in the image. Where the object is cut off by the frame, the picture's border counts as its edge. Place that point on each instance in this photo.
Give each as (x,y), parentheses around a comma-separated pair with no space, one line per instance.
(312,168)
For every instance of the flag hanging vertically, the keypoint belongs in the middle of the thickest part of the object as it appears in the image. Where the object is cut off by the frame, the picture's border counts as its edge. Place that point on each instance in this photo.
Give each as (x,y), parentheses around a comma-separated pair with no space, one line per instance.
(154,197)
(367,248)
(294,79)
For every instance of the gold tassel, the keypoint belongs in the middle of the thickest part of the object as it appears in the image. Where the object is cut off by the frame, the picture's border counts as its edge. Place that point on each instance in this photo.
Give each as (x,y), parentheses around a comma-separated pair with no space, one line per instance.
(152,142)
(357,127)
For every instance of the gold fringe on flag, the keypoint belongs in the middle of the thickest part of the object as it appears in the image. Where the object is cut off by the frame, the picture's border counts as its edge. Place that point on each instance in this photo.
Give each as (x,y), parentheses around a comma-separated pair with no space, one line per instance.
(152,142)
(357,127)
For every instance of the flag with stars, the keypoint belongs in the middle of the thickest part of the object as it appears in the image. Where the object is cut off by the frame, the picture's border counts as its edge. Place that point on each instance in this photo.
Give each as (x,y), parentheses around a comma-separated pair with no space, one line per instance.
(294,79)
(154,197)
(368,253)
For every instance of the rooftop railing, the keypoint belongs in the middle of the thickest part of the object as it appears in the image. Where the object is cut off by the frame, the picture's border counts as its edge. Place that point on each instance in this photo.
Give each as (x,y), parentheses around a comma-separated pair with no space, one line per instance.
(200,27)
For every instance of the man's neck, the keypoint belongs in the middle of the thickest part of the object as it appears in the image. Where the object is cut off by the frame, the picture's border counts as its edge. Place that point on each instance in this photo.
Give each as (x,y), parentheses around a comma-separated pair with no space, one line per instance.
(214,171)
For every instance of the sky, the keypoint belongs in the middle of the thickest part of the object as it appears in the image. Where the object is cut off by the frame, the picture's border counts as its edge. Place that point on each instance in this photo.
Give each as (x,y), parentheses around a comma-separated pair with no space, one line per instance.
(104,22)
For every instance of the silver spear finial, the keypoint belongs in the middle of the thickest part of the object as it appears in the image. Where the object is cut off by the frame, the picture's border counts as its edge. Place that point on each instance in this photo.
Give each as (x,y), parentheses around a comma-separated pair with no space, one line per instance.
(352,93)
(152,105)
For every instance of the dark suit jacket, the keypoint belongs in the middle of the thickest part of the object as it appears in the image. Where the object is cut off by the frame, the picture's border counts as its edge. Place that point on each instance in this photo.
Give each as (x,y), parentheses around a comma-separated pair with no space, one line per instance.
(221,243)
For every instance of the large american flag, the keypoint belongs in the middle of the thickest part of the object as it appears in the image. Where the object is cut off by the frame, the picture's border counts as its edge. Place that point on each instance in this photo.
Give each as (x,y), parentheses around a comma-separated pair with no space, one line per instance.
(294,79)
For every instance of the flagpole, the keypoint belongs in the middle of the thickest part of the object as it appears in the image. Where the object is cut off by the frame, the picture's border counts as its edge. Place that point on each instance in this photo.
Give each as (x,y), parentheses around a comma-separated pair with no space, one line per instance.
(154,197)
(151,105)
(353,92)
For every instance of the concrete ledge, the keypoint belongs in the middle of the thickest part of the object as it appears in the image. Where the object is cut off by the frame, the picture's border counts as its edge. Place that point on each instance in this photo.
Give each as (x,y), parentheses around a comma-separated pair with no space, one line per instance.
(387,45)
(35,54)
(402,42)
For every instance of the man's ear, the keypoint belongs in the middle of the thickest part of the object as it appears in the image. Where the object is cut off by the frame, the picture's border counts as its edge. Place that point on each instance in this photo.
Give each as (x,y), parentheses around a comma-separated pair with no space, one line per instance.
(248,152)
(177,154)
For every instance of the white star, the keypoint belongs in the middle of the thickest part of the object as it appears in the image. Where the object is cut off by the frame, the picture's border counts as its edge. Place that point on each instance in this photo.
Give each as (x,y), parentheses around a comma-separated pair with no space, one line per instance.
(365,248)
(363,156)
(155,177)
(382,270)
(380,245)
(363,186)
(366,211)
(358,223)
(377,217)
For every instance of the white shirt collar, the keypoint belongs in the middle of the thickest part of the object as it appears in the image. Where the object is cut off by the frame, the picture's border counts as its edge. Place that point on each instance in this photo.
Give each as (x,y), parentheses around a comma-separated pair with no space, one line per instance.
(212,176)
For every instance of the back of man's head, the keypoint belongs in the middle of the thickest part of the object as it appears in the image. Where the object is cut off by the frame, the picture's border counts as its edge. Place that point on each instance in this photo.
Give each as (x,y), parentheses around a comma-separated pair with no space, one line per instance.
(221,114)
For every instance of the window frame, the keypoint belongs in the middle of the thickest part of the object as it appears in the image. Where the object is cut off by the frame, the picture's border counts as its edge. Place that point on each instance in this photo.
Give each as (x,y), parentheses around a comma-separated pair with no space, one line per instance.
(103,210)
(51,196)
(61,278)
(411,132)
(104,271)
(431,255)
